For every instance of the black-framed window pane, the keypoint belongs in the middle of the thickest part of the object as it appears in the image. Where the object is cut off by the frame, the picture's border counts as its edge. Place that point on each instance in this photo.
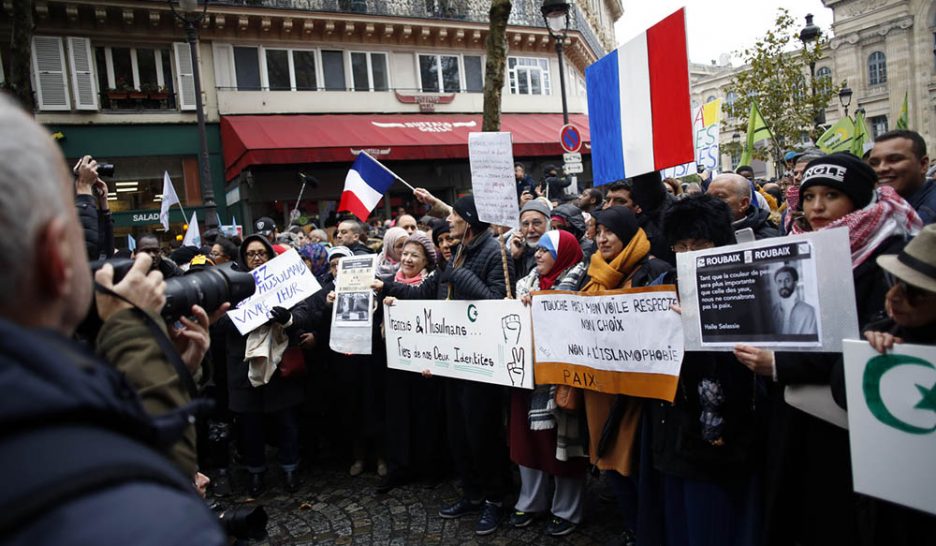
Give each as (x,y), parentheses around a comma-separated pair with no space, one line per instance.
(247,67)
(333,70)
(474,79)
(429,74)
(451,83)
(277,66)
(379,72)
(304,65)
(123,68)
(146,66)
(523,82)
(359,71)
(101,63)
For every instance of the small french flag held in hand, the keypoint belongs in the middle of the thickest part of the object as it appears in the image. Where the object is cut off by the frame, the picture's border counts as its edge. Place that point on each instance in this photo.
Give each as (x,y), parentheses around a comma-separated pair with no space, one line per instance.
(364,186)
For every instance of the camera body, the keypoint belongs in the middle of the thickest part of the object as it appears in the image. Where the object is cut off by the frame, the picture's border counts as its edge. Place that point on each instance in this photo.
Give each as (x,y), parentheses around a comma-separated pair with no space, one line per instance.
(103,169)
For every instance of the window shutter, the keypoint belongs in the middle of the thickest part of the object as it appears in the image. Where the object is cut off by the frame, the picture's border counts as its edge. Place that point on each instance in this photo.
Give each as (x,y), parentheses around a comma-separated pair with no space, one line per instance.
(84,82)
(185,75)
(48,59)
(224,66)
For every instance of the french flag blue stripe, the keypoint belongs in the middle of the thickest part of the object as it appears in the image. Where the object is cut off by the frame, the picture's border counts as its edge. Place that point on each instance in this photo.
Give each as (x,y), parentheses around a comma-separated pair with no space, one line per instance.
(604,120)
(372,173)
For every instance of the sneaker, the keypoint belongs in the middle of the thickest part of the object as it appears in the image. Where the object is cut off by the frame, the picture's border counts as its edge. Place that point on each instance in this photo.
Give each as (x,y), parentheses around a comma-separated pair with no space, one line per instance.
(521,519)
(459,508)
(558,527)
(490,519)
(357,468)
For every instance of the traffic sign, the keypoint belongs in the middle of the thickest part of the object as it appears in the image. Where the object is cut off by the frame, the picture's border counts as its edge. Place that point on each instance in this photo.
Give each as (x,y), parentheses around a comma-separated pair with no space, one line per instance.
(570,139)
(573,168)
(572,158)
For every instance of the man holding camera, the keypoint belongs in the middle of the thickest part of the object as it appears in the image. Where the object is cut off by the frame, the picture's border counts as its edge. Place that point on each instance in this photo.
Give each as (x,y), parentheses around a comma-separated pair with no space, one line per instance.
(76,441)
(93,211)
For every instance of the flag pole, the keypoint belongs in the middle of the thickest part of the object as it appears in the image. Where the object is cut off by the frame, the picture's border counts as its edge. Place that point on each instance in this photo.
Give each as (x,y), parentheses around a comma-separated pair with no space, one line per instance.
(394,175)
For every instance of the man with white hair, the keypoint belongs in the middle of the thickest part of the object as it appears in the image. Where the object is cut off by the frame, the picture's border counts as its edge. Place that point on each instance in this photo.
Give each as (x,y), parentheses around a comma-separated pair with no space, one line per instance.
(735,191)
(77,442)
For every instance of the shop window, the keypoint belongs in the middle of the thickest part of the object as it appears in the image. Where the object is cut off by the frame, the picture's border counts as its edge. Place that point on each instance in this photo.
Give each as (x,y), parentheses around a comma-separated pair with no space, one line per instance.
(439,73)
(528,75)
(369,71)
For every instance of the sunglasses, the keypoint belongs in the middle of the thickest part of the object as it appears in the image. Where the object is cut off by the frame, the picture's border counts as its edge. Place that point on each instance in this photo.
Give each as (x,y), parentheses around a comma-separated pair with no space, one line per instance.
(913,294)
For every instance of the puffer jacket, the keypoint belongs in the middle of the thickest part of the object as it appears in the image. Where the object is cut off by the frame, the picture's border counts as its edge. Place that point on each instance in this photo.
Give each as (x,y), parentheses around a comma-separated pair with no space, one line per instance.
(758,220)
(479,277)
(98,228)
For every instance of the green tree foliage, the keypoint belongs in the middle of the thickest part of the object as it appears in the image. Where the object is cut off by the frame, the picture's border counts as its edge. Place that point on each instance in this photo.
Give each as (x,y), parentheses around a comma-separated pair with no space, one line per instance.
(777,76)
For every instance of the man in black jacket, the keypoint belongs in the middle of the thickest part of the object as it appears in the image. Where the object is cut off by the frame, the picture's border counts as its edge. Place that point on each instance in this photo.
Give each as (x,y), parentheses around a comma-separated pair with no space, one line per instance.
(352,234)
(91,202)
(735,191)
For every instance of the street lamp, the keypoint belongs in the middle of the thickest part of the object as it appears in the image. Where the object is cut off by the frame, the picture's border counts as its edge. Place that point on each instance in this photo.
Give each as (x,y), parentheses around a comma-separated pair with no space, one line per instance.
(191,17)
(808,35)
(556,15)
(845,96)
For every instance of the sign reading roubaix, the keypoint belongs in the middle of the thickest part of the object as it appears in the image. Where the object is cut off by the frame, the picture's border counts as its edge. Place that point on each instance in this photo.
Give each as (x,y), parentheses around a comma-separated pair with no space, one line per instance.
(487,341)
(626,341)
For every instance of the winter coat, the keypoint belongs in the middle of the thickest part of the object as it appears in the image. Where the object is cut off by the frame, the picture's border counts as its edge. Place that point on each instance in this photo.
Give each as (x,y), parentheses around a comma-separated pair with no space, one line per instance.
(526,262)
(50,380)
(525,184)
(758,220)
(98,227)
(924,202)
(573,217)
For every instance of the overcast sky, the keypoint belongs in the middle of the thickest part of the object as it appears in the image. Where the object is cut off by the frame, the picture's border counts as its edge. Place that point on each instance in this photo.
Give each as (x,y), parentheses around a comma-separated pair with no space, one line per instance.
(719,26)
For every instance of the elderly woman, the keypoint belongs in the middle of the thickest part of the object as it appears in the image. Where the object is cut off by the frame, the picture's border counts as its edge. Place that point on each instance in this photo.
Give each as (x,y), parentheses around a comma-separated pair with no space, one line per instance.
(388,261)
(536,423)
(838,190)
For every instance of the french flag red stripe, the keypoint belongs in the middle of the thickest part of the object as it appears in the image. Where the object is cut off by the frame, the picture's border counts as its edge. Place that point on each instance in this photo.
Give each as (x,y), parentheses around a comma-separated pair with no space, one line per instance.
(669,80)
(351,203)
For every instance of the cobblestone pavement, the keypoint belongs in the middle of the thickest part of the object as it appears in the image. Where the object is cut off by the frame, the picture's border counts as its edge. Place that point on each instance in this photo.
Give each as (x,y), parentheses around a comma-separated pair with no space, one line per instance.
(333,508)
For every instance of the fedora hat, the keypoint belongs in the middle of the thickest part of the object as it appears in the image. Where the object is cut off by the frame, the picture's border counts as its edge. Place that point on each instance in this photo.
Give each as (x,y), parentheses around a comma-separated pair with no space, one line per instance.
(916,263)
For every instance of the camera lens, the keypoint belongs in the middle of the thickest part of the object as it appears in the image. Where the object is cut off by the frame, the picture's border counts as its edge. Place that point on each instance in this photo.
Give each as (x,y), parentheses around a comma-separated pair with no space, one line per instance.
(105,169)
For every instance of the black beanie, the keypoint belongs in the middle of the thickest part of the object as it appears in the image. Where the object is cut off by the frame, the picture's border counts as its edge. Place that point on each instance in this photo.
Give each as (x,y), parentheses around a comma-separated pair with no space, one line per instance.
(438,231)
(844,172)
(620,220)
(465,207)
(648,192)
(699,217)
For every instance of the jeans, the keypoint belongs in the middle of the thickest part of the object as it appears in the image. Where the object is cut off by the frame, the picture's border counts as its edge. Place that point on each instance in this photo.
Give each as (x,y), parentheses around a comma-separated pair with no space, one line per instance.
(255,439)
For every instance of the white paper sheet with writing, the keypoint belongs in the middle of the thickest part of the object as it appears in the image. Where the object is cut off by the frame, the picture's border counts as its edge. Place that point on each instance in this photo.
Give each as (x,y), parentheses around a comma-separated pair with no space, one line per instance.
(493,184)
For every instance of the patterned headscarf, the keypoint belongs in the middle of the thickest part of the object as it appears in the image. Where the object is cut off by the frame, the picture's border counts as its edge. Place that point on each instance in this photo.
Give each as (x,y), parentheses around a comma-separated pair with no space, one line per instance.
(317,254)
(565,250)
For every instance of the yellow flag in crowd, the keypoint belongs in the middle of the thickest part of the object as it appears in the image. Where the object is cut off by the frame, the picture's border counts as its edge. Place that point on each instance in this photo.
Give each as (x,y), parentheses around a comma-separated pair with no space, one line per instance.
(757,131)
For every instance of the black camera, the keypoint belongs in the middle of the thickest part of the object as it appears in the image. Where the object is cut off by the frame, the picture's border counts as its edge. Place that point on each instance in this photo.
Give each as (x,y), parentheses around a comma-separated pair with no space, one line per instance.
(243,521)
(103,169)
(208,288)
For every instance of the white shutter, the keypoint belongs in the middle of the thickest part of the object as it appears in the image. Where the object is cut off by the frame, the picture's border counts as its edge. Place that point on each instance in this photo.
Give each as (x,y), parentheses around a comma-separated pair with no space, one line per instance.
(185,76)
(48,59)
(84,82)
(224,66)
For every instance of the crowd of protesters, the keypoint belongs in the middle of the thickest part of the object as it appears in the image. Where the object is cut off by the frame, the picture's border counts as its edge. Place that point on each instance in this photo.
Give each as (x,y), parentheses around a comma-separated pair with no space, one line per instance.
(728,462)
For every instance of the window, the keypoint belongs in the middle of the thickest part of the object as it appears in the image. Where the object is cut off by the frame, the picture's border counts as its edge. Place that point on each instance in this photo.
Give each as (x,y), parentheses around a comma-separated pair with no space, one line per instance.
(369,71)
(280,69)
(730,100)
(133,68)
(709,99)
(824,79)
(304,69)
(439,74)
(247,68)
(877,68)
(333,70)
(878,125)
(528,76)
(277,69)
(474,74)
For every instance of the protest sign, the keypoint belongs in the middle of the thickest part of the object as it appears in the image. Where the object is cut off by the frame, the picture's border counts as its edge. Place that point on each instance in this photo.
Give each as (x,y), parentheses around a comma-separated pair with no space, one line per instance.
(892,422)
(767,293)
(485,340)
(284,281)
(625,341)
(353,310)
(492,178)
(705,131)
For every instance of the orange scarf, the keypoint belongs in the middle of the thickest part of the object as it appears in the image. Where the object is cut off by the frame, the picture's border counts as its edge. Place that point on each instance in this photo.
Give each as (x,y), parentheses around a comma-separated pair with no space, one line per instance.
(605,276)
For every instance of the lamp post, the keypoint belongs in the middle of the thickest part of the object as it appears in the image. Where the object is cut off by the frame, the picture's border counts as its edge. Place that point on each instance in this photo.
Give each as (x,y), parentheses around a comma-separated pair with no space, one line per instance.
(191,17)
(845,96)
(809,35)
(556,15)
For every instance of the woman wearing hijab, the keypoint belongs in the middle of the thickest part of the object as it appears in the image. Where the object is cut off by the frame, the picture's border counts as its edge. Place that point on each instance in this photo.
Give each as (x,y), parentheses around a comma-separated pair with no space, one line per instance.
(813,473)
(622,260)
(388,261)
(536,423)
(315,256)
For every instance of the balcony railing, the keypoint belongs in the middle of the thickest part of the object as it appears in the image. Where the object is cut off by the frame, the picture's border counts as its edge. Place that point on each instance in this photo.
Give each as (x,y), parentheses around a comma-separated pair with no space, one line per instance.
(524,12)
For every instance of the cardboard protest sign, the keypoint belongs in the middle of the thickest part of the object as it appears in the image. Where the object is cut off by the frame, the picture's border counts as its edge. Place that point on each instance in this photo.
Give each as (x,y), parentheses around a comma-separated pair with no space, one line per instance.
(892,422)
(705,131)
(624,341)
(492,178)
(485,340)
(353,310)
(767,293)
(284,281)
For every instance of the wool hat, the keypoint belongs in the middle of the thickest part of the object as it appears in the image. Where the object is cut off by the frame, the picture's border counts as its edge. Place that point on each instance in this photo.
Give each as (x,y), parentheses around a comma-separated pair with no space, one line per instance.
(699,217)
(620,220)
(339,252)
(422,239)
(647,191)
(844,172)
(535,205)
(465,207)
(438,231)
(916,263)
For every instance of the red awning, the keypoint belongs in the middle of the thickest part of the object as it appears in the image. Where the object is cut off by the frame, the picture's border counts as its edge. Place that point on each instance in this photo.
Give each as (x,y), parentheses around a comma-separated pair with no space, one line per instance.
(285,139)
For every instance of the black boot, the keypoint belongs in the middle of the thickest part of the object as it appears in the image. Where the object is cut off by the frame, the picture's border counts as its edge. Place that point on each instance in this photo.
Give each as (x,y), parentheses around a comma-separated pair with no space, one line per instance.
(256,484)
(291,477)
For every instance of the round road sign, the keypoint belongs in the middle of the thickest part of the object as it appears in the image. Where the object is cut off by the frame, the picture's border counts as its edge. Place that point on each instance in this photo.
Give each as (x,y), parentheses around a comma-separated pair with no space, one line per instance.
(570,139)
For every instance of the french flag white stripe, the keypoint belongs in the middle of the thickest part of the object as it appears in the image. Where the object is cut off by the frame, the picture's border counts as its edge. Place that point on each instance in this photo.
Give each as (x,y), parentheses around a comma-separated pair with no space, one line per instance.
(367,195)
(636,116)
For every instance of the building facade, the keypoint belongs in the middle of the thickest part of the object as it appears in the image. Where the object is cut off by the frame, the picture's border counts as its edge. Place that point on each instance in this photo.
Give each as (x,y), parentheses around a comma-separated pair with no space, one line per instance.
(297,86)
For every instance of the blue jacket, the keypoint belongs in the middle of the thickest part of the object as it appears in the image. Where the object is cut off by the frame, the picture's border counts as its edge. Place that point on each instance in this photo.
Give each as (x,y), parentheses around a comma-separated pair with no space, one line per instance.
(924,202)
(47,379)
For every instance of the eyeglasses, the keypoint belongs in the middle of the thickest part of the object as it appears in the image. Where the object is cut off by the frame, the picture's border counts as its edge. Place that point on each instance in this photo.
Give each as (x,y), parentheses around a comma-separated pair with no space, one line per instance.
(690,246)
(533,223)
(256,254)
(913,294)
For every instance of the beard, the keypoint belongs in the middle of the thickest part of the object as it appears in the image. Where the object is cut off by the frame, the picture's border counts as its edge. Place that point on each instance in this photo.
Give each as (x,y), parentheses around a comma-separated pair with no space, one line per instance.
(785,292)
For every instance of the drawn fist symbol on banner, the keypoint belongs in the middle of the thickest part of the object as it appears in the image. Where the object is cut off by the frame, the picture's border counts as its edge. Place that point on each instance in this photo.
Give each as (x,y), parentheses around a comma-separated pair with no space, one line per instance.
(516,366)
(510,325)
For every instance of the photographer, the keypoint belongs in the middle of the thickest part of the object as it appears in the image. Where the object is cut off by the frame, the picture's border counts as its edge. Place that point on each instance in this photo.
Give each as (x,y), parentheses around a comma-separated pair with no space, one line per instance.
(93,211)
(76,442)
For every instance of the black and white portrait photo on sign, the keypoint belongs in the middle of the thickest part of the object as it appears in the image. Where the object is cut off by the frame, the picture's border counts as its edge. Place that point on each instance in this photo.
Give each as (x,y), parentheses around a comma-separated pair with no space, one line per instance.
(768,293)
(353,308)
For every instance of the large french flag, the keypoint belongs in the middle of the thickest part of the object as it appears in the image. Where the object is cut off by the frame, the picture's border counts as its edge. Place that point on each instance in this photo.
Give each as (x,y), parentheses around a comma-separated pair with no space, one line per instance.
(364,187)
(638,104)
